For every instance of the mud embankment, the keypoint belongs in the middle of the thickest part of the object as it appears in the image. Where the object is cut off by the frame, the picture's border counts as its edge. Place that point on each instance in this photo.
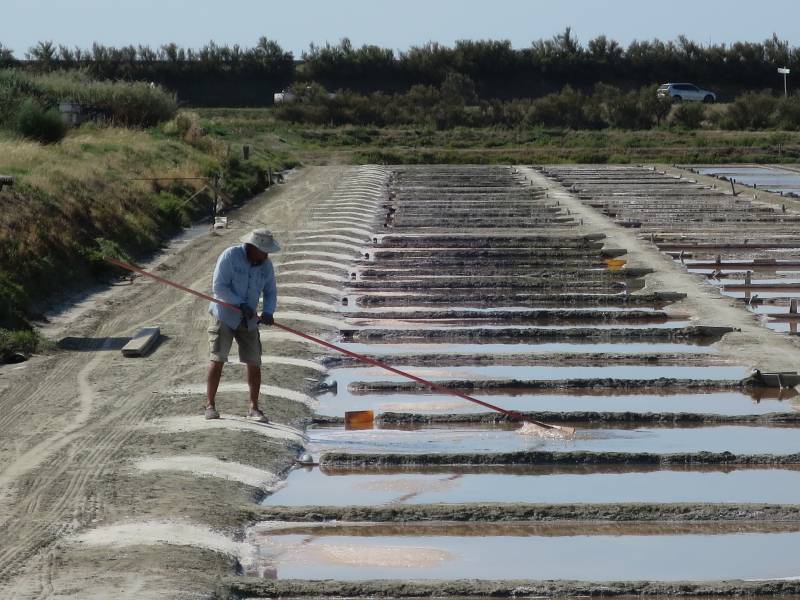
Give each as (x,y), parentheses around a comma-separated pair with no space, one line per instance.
(365,460)
(471,588)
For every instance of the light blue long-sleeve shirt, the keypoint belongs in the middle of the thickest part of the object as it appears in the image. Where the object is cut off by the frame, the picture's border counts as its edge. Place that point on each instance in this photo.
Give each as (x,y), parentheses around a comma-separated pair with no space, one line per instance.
(237,282)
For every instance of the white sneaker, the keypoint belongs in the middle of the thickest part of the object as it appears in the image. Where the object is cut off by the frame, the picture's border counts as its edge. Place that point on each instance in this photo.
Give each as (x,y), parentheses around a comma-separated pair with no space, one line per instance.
(257,415)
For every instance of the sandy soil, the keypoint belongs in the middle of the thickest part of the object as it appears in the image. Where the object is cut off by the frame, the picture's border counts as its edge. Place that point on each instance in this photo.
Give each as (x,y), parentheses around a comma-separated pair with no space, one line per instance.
(94,445)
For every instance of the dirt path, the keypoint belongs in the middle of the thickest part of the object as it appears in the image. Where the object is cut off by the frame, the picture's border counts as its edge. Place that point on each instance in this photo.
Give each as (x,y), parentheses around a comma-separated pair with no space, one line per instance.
(72,423)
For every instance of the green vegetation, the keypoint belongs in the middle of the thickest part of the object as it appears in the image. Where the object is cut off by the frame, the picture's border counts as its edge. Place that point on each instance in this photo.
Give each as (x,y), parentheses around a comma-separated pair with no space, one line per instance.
(455,104)
(213,75)
(121,103)
(218,75)
(25,342)
(101,190)
(140,170)
(500,71)
(36,123)
(670,143)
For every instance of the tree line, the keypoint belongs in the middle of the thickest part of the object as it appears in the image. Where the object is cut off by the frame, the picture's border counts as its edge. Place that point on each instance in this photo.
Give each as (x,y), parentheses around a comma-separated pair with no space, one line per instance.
(497,69)
(213,75)
(547,65)
(455,103)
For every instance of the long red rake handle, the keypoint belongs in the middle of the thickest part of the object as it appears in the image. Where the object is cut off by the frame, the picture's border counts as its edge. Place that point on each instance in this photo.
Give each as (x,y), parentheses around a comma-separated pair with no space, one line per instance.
(365,359)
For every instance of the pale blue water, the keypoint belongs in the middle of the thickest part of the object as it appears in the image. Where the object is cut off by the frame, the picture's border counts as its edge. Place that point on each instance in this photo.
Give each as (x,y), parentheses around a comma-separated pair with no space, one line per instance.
(738,439)
(303,487)
(576,557)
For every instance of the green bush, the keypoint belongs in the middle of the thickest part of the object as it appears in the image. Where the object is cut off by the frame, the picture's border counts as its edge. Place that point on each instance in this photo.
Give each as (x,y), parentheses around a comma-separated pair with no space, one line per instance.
(787,114)
(565,109)
(752,110)
(13,303)
(689,115)
(170,209)
(23,341)
(129,104)
(36,123)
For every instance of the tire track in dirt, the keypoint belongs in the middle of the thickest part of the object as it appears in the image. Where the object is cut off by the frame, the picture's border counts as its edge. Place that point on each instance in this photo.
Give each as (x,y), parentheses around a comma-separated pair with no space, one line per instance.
(114,431)
(88,470)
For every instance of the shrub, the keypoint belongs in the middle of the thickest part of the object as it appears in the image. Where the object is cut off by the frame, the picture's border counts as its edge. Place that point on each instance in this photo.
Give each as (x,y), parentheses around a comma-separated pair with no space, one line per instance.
(36,123)
(23,342)
(787,114)
(128,104)
(752,110)
(628,110)
(170,209)
(689,115)
(565,109)
(13,303)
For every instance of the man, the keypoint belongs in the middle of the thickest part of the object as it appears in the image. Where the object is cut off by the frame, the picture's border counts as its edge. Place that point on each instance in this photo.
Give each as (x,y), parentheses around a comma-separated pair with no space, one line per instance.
(243,274)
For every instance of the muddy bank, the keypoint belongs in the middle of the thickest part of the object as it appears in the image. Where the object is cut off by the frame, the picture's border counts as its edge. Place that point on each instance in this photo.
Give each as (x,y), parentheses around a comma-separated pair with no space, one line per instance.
(547,255)
(519,385)
(439,284)
(514,279)
(518,528)
(632,418)
(258,588)
(548,469)
(691,332)
(492,298)
(587,359)
(635,512)
(496,269)
(491,241)
(345,459)
(539,316)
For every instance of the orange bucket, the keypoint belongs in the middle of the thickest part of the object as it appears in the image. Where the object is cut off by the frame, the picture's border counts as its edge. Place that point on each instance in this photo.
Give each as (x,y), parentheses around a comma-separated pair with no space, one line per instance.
(359,419)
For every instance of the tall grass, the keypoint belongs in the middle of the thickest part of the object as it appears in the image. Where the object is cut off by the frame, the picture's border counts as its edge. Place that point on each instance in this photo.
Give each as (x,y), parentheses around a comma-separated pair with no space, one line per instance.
(25,342)
(128,104)
(87,196)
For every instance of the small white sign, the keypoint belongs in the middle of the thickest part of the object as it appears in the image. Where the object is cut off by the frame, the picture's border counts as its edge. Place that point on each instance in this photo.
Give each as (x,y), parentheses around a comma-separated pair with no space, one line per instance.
(784,71)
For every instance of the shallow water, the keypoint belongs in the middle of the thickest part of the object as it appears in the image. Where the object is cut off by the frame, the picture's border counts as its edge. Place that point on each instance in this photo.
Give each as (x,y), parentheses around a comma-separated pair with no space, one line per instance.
(311,487)
(721,403)
(545,373)
(771,179)
(576,557)
(738,439)
(762,293)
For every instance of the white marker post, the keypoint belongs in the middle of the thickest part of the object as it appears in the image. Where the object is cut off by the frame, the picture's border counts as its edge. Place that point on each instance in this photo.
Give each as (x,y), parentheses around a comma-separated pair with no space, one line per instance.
(784,71)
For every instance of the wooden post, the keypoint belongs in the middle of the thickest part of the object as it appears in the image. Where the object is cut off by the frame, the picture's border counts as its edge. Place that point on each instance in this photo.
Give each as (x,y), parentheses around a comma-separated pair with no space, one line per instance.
(215,201)
(793,306)
(748,278)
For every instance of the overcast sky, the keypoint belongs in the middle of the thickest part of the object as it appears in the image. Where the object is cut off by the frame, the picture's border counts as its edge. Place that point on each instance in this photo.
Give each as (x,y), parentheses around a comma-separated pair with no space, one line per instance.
(396,24)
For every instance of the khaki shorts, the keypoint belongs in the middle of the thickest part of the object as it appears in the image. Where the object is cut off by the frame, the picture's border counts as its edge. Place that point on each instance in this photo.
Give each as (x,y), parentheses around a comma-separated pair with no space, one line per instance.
(220,339)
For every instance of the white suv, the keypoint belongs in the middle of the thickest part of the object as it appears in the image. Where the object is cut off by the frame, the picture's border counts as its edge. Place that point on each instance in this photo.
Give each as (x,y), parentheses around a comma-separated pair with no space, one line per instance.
(685,91)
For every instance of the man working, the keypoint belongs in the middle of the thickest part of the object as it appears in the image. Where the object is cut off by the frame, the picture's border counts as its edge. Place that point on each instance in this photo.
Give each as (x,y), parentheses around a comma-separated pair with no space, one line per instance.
(243,273)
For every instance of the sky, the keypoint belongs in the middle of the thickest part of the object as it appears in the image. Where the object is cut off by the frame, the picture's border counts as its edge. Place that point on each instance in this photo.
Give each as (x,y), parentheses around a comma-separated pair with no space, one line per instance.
(396,24)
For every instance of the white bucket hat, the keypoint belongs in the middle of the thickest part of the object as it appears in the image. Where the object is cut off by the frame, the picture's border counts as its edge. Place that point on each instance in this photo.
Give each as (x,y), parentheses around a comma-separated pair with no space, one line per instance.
(263,240)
